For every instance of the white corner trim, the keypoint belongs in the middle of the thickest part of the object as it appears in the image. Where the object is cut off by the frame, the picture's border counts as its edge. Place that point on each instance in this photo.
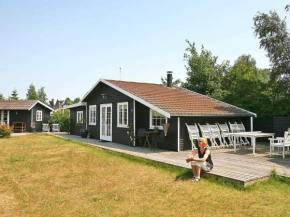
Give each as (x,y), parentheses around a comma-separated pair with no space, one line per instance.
(166,114)
(134,124)
(178,134)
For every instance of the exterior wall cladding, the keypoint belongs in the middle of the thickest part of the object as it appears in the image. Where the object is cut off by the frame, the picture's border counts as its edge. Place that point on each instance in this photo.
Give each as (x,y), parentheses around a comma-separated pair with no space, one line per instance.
(142,114)
(25,116)
(119,134)
(74,127)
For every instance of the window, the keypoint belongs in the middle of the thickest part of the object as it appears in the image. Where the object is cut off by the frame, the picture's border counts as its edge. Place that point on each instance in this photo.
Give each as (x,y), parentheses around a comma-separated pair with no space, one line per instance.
(156,119)
(80,117)
(38,115)
(92,114)
(122,114)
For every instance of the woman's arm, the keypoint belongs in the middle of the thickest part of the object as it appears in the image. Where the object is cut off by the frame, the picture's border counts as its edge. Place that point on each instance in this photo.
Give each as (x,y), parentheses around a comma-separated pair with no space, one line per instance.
(207,153)
(190,158)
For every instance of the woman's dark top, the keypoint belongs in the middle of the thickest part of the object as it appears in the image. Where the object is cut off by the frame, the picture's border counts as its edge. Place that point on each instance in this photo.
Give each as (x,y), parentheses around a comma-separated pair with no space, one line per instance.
(208,160)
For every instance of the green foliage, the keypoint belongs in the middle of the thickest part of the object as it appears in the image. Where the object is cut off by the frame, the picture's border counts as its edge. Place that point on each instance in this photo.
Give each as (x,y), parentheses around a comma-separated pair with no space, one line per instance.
(204,74)
(247,87)
(131,134)
(2,97)
(177,82)
(31,93)
(76,100)
(14,95)
(62,118)
(275,39)
(5,131)
(42,95)
(67,101)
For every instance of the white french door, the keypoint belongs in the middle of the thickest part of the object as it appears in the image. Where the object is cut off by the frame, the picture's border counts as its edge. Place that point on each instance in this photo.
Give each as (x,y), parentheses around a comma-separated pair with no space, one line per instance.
(106,122)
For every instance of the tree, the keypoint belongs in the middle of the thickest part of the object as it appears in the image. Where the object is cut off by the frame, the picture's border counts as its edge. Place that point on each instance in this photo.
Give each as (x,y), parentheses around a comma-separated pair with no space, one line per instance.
(42,95)
(2,97)
(14,95)
(67,101)
(62,118)
(31,93)
(204,74)
(246,86)
(174,83)
(76,100)
(274,38)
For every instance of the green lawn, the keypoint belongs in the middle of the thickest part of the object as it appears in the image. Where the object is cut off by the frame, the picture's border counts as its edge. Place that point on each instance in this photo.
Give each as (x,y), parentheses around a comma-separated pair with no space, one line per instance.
(41,175)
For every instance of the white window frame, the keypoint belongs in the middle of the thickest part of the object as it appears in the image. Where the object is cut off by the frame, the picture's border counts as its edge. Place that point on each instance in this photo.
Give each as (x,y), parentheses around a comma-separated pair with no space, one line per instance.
(81,113)
(151,124)
(38,114)
(92,120)
(122,124)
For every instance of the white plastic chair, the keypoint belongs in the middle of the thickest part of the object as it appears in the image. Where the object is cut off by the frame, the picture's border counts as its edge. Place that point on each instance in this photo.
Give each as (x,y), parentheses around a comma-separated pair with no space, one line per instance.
(225,133)
(193,133)
(235,129)
(280,142)
(242,128)
(55,128)
(45,128)
(206,133)
(216,135)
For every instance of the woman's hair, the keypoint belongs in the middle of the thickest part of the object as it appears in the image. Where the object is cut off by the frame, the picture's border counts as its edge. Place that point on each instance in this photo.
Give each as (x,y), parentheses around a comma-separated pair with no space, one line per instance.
(204,141)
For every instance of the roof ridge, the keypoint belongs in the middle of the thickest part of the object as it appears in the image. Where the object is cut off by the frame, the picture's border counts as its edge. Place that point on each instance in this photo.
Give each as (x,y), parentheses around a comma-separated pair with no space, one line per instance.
(132,82)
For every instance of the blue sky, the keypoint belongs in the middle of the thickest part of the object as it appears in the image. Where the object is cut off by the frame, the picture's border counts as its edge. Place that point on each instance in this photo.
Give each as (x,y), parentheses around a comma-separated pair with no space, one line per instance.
(67,46)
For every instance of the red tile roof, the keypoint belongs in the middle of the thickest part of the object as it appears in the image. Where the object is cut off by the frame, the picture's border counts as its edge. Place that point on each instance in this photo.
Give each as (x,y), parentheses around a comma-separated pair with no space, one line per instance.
(18,104)
(179,101)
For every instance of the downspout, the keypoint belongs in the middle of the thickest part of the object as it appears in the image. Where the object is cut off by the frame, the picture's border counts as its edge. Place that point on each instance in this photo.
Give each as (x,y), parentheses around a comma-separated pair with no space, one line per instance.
(87,117)
(8,117)
(251,119)
(134,120)
(178,134)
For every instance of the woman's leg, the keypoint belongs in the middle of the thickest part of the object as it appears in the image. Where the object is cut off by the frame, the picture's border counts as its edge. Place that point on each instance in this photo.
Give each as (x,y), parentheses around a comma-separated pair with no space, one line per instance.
(193,167)
(197,172)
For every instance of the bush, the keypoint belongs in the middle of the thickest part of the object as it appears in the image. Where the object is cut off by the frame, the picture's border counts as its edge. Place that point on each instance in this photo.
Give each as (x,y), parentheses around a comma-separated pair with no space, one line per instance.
(5,131)
(62,118)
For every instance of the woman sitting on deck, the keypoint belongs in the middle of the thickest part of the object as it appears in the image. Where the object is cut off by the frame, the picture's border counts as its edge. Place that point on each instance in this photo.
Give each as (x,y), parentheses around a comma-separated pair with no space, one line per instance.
(203,161)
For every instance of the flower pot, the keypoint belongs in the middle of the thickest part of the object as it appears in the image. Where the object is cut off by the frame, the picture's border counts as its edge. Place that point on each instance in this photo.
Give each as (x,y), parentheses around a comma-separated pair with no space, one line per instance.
(33,129)
(84,133)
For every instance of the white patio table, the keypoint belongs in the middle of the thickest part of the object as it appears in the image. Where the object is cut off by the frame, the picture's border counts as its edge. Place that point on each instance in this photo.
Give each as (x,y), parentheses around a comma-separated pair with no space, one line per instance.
(253,136)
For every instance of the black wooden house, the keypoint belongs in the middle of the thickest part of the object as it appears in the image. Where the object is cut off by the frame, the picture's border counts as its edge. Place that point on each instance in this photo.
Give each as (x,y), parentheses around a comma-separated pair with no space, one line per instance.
(21,113)
(110,107)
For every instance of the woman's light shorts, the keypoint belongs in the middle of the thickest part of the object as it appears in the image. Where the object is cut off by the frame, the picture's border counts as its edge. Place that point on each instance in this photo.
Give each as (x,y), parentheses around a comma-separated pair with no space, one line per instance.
(202,165)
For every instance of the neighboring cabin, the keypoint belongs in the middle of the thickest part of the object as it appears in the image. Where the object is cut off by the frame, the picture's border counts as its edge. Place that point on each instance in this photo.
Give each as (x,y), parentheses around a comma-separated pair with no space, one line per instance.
(110,106)
(23,113)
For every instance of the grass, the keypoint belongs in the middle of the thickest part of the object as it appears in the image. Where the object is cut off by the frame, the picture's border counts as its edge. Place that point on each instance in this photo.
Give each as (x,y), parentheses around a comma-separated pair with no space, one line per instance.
(41,175)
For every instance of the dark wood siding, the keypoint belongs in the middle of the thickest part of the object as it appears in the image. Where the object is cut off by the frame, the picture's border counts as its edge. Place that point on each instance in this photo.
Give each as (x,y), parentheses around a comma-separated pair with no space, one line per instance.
(25,116)
(170,141)
(45,116)
(142,118)
(185,143)
(119,134)
(74,127)
(21,116)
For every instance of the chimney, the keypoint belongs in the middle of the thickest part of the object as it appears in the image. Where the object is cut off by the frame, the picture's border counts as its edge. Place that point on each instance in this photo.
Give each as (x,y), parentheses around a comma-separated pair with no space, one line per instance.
(169,78)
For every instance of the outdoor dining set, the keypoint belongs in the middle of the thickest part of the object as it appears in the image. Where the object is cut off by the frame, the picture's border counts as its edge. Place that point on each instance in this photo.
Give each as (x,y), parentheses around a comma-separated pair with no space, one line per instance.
(233,135)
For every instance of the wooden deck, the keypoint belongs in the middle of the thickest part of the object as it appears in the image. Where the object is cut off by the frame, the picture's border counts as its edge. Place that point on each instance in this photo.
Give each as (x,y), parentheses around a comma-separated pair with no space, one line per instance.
(242,166)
